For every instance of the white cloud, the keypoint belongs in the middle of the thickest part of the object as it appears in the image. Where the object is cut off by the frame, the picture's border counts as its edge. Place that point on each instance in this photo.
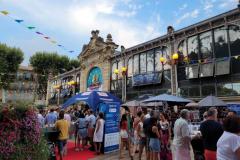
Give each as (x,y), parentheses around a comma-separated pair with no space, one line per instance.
(193,14)
(78,18)
(183,6)
(228,4)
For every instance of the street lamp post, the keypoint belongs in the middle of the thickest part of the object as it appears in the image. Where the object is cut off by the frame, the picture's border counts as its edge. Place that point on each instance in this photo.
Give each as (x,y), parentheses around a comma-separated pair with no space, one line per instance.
(174,73)
(124,71)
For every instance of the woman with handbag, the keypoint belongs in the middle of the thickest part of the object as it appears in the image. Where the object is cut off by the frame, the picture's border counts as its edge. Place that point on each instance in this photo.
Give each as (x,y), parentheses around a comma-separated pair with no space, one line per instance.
(124,134)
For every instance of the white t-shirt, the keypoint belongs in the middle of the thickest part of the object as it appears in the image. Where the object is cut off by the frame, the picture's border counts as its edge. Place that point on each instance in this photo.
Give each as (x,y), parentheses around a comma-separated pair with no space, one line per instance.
(227,145)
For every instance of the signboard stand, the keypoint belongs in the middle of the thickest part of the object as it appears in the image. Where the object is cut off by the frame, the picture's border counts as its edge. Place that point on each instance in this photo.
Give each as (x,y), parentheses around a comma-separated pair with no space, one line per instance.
(111,130)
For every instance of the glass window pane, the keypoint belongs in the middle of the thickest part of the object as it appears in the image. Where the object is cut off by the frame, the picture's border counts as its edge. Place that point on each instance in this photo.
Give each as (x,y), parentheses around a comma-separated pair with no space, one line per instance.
(183,92)
(208,90)
(158,65)
(193,48)
(129,67)
(114,66)
(221,45)
(192,71)
(167,76)
(120,65)
(166,55)
(194,91)
(235,62)
(206,70)
(182,51)
(236,88)
(206,45)
(234,34)
(181,73)
(150,61)
(136,64)
(224,89)
(222,66)
(143,59)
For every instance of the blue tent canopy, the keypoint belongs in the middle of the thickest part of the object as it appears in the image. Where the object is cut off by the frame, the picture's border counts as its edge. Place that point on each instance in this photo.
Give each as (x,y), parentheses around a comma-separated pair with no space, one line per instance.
(92,98)
(166,98)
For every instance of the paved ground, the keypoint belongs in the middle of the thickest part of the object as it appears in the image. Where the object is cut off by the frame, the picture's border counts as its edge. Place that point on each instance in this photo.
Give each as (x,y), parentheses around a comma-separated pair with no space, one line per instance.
(115,156)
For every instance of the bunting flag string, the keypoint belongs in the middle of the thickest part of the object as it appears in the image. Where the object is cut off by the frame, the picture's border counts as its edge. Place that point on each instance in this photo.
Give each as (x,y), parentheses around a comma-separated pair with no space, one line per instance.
(33,28)
(18,20)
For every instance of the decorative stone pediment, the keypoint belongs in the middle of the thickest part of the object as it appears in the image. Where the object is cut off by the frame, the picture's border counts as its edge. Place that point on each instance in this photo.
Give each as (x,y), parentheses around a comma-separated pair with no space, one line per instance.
(97,49)
(97,53)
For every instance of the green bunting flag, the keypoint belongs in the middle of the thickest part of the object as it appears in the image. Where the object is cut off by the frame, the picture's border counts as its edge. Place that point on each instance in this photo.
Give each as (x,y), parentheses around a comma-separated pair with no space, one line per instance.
(31,27)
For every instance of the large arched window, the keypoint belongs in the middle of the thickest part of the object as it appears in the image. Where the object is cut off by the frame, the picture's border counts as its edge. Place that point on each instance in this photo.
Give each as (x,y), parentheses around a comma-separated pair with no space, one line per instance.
(221,44)
(234,36)
(158,64)
(130,67)
(136,64)
(205,43)
(119,66)
(182,51)
(114,66)
(150,61)
(143,59)
(166,55)
(193,48)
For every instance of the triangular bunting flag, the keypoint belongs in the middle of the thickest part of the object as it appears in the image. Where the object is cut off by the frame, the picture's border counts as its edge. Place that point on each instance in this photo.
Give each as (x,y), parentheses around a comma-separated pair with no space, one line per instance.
(18,20)
(31,27)
(59,45)
(71,51)
(54,42)
(46,37)
(4,12)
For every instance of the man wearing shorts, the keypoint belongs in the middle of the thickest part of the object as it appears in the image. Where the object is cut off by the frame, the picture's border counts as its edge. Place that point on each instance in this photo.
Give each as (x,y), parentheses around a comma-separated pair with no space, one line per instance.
(62,126)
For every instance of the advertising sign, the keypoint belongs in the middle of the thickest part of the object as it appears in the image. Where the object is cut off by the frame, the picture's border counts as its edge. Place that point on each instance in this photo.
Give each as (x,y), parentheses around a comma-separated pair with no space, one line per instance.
(95,80)
(146,79)
(112,119)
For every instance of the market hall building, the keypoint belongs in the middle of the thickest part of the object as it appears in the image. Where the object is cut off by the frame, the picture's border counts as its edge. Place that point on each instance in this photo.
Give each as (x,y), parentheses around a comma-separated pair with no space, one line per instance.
(194,62)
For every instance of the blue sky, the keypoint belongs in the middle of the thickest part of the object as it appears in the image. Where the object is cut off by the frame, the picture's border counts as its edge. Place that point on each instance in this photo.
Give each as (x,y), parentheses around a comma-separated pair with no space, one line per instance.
(70,22)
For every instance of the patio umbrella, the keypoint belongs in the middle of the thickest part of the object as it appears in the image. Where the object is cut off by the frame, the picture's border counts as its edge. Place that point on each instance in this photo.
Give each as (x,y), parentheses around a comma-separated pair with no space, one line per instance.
(151,104)
(92,98)
(192,104)
(211,101)
(133,103)
(166,98)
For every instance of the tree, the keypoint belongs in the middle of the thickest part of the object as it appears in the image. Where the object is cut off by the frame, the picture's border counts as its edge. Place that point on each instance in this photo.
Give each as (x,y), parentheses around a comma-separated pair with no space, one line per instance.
(10,59)
(45,63)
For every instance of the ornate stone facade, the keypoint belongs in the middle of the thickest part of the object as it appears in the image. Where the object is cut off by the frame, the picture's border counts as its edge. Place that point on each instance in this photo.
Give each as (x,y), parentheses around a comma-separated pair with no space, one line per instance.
(97,53)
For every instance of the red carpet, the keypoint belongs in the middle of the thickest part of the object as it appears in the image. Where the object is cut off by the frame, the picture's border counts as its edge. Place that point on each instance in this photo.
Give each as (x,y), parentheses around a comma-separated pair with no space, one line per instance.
(74,155)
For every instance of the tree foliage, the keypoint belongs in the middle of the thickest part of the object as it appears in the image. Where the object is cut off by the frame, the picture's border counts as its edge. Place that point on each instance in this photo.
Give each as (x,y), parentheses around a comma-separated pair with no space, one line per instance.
(46,62)
(10,59)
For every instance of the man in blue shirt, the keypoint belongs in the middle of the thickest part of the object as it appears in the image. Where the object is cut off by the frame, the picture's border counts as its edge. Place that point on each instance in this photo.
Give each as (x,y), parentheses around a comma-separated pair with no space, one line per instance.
(51,118)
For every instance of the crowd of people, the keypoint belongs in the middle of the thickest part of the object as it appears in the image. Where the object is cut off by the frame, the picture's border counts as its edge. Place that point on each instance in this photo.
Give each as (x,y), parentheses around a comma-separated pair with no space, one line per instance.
(163,139)
(152,133)
(79,122)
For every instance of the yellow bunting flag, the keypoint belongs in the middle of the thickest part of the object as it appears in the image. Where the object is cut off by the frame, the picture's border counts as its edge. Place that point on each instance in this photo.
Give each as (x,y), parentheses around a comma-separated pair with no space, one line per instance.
(4,12)
(53,42)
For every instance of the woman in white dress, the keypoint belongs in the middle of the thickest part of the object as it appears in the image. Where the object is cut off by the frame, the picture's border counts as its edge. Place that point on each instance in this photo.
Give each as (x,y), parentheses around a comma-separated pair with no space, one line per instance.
(98,134)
